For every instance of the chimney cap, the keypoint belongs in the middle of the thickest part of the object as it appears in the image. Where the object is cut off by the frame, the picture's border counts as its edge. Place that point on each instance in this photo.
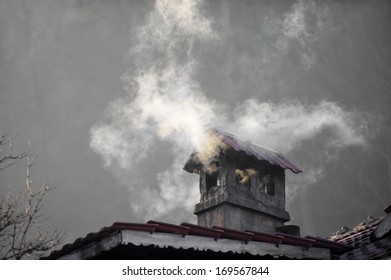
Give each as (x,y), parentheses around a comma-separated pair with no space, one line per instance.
(231,142)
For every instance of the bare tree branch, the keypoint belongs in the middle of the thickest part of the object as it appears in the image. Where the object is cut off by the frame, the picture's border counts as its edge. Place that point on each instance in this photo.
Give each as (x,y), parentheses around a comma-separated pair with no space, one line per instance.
(21,235)
(9,158)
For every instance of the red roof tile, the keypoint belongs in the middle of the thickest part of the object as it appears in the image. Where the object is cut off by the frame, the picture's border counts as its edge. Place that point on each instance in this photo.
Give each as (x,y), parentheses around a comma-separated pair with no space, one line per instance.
(203,231)
(235,234)
(265,237)
(131,226)
(296,241)
(170,228)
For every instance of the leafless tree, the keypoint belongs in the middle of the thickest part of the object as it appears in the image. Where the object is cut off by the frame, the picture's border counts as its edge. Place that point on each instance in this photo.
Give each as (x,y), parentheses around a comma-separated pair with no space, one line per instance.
(21,218)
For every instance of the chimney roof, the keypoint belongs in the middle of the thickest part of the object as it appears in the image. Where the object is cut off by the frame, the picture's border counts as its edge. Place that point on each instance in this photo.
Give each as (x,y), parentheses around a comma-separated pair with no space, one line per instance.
(240,145)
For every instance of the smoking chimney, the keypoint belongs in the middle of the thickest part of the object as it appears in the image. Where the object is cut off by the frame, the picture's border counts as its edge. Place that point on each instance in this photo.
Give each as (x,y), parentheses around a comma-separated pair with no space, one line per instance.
(242,187)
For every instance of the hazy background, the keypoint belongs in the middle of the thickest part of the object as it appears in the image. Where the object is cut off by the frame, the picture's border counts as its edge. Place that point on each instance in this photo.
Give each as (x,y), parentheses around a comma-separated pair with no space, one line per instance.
(66,75)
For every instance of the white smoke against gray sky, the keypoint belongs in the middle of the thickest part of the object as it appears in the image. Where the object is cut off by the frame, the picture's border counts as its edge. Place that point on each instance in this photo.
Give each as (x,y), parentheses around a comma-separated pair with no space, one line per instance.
(165,103)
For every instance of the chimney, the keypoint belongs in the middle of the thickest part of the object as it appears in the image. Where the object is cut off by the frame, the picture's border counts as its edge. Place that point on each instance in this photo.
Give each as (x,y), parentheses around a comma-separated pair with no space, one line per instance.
(242,187)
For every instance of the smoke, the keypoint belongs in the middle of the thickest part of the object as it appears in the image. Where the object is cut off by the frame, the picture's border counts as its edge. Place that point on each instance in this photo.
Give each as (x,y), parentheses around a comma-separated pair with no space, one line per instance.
(304,24)
(165,103)
(285,126)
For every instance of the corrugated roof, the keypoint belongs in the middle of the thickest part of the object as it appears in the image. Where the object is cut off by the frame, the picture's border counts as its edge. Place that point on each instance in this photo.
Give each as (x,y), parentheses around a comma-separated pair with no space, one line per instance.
(259,152)
(189,236)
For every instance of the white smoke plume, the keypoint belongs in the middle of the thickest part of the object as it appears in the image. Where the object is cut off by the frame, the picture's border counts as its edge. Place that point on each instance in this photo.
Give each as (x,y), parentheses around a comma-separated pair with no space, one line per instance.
(285,126)
(165,103)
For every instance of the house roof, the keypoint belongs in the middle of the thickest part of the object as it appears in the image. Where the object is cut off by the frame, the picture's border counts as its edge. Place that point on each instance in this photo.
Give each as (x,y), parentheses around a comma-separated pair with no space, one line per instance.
(370,238)
(201,241)
(259,152)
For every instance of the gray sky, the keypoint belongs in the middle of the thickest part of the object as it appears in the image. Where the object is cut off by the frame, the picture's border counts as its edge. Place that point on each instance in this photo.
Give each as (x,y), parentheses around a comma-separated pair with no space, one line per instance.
(113,96)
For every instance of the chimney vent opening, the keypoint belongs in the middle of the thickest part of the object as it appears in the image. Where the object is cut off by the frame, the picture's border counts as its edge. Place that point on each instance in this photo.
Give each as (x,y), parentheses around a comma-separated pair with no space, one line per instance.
(266,184)
(243,177)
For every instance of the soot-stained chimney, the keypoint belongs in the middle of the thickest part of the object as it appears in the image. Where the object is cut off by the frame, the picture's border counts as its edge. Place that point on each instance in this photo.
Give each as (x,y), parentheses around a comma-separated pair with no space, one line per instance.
(242,187)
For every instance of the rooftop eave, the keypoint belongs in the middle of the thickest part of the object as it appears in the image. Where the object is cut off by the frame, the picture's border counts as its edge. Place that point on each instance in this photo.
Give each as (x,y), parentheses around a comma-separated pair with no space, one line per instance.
(200,243)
